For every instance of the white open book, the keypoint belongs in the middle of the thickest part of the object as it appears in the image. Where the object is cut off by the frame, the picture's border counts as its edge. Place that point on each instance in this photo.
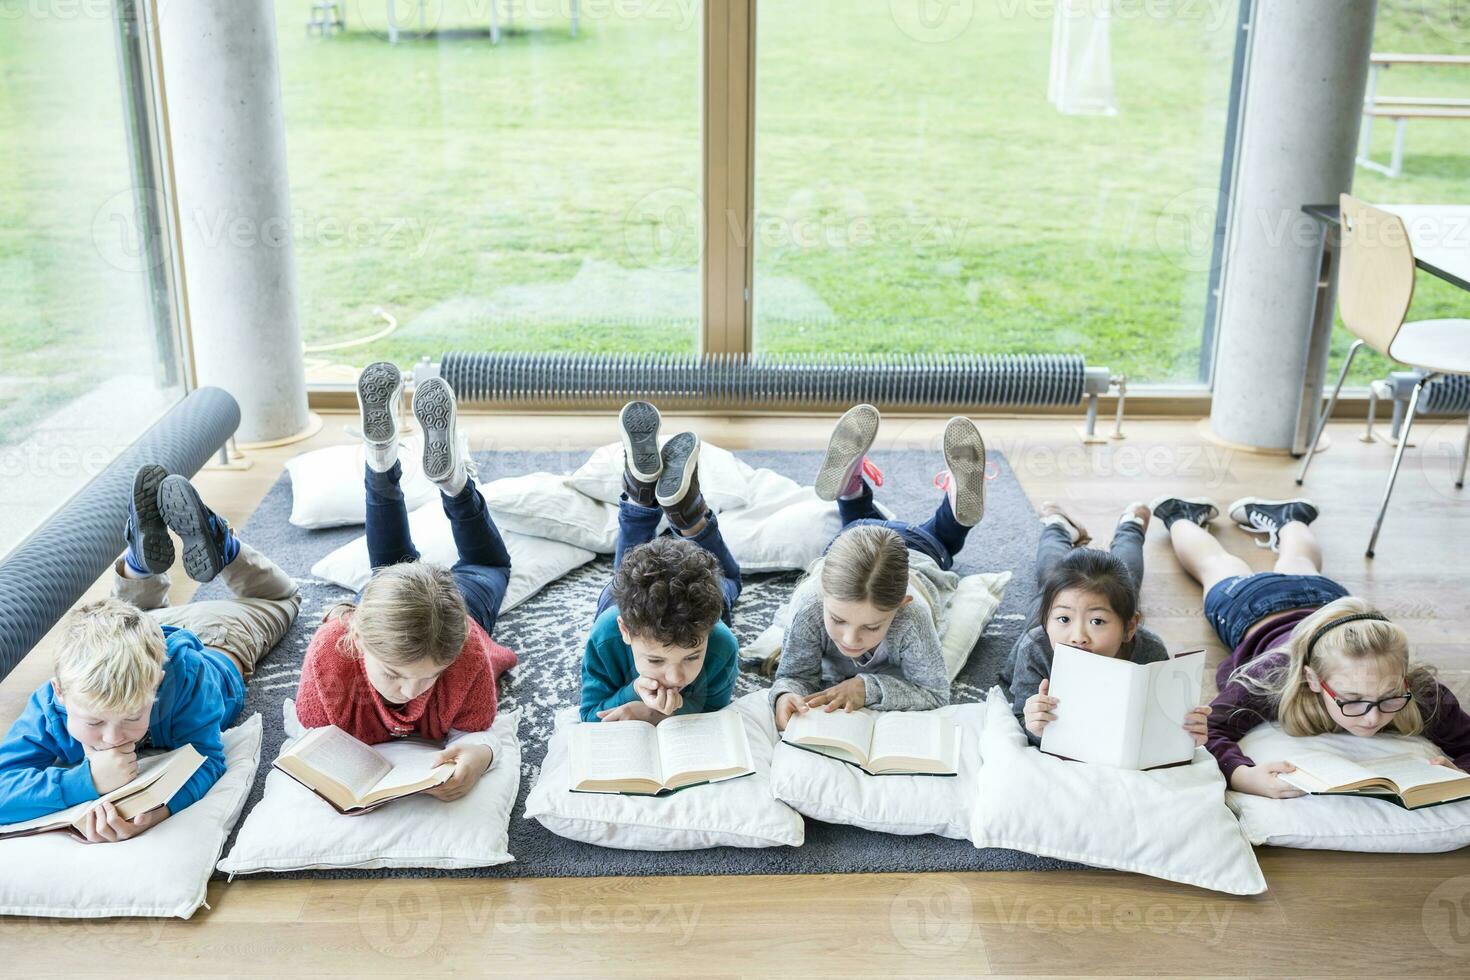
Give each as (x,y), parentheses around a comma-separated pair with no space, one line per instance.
(355,777)
(635,758)
(159,778)
(880,743)
(1407,780)
(1122,714)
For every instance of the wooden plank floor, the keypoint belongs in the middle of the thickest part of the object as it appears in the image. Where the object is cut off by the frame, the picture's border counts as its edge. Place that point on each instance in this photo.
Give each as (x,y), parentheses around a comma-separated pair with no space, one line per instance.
(1326,914)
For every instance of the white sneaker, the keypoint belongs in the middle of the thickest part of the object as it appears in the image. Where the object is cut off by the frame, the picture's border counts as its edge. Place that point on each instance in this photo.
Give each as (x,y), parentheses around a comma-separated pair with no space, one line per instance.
(379,395)
(445,463)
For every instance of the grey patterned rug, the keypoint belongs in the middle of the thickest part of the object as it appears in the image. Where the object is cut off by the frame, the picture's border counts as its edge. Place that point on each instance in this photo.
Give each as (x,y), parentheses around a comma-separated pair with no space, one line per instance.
(547,633)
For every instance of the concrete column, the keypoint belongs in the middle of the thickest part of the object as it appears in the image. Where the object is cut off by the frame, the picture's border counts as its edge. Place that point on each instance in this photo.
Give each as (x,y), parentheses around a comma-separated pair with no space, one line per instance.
(223,86)
(1302,105)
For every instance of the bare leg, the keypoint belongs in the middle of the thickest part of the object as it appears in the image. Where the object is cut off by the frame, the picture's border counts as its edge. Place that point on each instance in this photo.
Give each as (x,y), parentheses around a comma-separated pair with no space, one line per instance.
(1207,562)
(1300,552)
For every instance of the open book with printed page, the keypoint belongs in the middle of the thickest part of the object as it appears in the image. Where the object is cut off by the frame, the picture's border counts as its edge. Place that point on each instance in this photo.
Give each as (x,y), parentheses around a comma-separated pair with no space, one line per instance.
(1122,714)
(1406,780)
(880,743)
(634,758)
(354,777)
(159,778)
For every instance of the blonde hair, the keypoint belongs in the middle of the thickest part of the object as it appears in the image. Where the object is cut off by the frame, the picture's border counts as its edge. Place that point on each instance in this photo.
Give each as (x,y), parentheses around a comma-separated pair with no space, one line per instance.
(867,563)
(407,613)
(1299,708)
(110,656)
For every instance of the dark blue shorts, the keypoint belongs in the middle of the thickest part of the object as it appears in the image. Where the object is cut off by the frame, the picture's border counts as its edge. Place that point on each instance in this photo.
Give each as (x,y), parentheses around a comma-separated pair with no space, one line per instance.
(1236,604)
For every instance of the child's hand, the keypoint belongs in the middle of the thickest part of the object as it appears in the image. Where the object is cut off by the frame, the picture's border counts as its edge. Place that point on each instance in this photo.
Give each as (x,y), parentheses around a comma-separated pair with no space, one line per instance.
(850,695)
(1196,723)
(788,706)
(1440,760)
(1040,709)
(632,711)
(470,763)
(104,825)
(664,700)
(114,767)
(1261,780)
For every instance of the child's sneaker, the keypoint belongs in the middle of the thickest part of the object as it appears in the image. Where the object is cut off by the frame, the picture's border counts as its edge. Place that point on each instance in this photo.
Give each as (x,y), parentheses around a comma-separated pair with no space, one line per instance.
(209,544)
(677,491)
(150,549)
(379,394)
(1138,513)
(1053,516)
(964,458)
(1195,510)
(846,461)
(444,464)
(642,465)
(1268,517)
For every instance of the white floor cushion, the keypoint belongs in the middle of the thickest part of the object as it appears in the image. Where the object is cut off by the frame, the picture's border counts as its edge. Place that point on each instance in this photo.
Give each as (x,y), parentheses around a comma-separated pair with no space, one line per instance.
(1339,823)
(835,792)
(292,829)
(723,479)
(737,813)
(546,505)
(535,562)
(161,873)
(1168,823)
(326,484)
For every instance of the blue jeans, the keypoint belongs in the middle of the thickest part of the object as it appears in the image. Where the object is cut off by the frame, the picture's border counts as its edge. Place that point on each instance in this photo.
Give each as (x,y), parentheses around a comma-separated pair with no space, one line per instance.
(1236,604)
(940,537)
(638,525)
(483,570)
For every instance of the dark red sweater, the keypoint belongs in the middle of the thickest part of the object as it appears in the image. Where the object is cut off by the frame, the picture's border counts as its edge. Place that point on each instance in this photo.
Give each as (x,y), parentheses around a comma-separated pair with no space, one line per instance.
(335,690)
(1236,710)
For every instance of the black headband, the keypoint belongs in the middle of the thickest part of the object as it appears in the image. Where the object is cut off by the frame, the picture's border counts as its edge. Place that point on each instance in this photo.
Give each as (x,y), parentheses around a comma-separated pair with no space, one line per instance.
(1341,621)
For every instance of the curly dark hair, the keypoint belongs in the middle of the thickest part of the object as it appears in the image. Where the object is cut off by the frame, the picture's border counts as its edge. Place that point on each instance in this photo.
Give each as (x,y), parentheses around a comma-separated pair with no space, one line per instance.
(668,590)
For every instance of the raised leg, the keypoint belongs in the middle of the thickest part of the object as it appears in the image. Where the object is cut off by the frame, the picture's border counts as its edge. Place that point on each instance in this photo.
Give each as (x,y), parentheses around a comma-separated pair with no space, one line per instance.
(1204,558)
(1300,553)
(1327,412)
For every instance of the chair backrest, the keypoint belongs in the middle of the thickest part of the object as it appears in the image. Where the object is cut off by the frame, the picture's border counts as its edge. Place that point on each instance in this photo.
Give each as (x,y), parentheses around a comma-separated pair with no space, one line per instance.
(1375,284)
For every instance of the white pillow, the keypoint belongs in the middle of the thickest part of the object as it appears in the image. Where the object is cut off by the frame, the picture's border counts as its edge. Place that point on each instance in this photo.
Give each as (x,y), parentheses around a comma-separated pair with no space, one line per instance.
(738,813)
(534,562)
(326,484)
(1169,823)
(970,609)
(545,505)
(723,479)
(291,829)
(784,526)
(1338,823)
(163,872)
(835,792)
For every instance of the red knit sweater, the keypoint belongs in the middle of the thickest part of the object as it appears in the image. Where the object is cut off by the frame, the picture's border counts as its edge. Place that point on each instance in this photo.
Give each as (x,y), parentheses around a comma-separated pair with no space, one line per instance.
(335,690)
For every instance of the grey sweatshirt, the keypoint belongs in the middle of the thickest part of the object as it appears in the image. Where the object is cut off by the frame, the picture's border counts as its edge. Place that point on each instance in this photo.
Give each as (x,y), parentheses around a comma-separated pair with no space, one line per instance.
(1030,664)
(905,673)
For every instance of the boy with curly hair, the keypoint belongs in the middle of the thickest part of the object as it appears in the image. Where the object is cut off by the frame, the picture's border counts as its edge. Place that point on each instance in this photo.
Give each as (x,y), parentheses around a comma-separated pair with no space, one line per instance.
(661,644)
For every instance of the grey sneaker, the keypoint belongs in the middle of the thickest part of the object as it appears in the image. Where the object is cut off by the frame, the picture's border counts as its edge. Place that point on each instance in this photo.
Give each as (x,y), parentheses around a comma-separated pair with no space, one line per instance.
(434,407)
(209,543)
(642,465)
(1195,510)
(379,395)
(964,457)
(849,444)
(678,488)
(150,549)
(1268,517)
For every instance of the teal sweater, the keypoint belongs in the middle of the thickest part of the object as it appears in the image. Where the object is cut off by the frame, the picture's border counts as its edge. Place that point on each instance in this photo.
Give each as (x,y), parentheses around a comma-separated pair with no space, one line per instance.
(608,672)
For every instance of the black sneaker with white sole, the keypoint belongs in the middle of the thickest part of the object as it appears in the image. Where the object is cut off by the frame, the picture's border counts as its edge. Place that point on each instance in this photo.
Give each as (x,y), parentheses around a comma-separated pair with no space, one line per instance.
(434,407)
(150,549)
(677,491)
(851,439)
(1268,517)
(209,544)
(1195,510)
(379,395)
(642,465)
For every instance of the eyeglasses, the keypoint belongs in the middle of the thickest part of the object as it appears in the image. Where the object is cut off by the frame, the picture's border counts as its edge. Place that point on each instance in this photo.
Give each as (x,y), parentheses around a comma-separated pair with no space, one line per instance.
(1356,709)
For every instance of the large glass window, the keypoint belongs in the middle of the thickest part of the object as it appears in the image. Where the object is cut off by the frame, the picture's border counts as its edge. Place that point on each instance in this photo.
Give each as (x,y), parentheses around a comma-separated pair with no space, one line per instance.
(990,177)
(88,354)
(539,193)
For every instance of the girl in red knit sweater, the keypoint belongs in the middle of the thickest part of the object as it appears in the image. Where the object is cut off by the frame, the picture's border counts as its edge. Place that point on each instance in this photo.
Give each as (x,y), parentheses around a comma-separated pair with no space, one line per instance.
(414,656)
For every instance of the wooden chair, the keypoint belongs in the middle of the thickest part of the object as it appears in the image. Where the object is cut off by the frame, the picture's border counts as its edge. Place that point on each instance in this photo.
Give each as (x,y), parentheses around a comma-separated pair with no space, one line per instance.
(1375,288)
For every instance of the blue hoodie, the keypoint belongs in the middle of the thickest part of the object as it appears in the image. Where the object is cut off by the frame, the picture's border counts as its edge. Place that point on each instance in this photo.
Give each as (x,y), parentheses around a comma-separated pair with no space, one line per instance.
(43,769)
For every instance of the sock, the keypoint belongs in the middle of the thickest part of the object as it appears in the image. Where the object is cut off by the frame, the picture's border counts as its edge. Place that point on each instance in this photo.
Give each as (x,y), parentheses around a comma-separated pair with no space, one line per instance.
(455,484)
(230,549)
(856,486)
(380,459)
(133,567)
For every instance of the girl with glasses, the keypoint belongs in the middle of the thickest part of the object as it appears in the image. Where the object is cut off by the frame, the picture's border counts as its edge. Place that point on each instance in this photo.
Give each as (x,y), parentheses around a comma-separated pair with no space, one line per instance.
(1304,652)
